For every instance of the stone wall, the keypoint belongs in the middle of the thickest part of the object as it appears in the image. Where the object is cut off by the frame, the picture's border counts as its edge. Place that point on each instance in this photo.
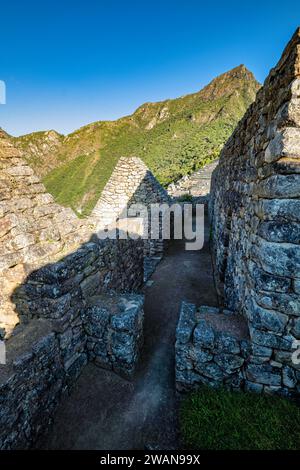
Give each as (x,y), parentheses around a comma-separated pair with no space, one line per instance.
(114,329)
(255,213)
(52,265)
(194,187)
(33,229)
(212,348)
(131,183)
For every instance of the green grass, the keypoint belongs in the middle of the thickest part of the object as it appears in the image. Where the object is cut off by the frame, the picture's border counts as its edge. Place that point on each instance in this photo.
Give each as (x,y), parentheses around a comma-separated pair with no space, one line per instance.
(185,198)
(221,419)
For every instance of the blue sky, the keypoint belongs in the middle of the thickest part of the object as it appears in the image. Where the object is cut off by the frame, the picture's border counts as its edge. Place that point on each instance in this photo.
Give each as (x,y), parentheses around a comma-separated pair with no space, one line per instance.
(69,63)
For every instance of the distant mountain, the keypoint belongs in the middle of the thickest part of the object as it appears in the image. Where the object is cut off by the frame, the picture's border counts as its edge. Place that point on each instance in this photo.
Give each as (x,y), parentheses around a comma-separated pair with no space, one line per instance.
(174,137)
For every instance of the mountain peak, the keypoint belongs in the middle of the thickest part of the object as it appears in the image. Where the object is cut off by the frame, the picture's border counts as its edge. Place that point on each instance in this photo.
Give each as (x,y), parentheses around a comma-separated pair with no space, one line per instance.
(240,71)
(227,82)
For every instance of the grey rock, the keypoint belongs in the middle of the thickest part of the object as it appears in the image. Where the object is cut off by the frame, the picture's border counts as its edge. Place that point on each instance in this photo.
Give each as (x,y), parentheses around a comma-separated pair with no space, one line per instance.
(264,374)
(227,343)
(267,319)
(204,309)
(279,186)
(296,328)
(253,387)
(186,322)
(229,362)
(278,231)
(269,340)
(268,282)
(204,335)
(210,370)
(262,351)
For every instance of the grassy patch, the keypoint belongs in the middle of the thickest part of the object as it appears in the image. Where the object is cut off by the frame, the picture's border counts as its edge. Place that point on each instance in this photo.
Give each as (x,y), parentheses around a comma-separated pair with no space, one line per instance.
(185,198)
(221,419)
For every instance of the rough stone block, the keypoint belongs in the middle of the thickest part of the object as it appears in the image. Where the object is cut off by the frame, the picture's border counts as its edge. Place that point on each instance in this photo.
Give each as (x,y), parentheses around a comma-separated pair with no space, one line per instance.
(114,323)
(229,362)
(281,259)
(186,322)
(264,319)
(264,374)
(204,336)
(279,186)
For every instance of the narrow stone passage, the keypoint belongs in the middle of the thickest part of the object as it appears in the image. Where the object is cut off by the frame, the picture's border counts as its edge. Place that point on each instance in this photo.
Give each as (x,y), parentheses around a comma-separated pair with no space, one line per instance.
(106,412)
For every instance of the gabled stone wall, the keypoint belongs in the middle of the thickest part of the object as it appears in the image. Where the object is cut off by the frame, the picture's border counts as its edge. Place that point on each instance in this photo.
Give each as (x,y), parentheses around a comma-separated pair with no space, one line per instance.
(255,213)
(130,183)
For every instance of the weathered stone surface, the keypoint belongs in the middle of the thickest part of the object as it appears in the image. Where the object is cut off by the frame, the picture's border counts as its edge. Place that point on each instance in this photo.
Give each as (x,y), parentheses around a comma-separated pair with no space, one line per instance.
(209,356)
(268,282)
(229,362)
(51,265)
(227,343)
(275,231)
(261,351)
(281,259)
(114,328)
(279,186)
(131,187)
(186,322)
(278,209)
(264,374)
(296,328)
(286,303)
(264,319)
(204,335)
(271,340)
(255,214)
(284,143)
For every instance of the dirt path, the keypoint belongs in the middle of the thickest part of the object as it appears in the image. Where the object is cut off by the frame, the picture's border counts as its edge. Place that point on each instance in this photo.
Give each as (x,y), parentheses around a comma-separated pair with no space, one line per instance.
(106,412)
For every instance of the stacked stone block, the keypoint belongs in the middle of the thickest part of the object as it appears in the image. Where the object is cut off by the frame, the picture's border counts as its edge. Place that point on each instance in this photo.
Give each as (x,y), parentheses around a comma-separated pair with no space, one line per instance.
(255,215)
(131,183)
(51,265)
(212,348)
(114,329)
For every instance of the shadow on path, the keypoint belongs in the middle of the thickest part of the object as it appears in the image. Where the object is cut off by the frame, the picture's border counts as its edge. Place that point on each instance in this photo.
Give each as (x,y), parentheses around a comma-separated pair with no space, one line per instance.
(106,412)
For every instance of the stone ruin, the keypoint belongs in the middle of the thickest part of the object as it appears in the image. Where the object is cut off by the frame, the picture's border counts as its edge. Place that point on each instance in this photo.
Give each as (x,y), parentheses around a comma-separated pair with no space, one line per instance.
(66,298)
(195,187)
(255,214)
(132,185)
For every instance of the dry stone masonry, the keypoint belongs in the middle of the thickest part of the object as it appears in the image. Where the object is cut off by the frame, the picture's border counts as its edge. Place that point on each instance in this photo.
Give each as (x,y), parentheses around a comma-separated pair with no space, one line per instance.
(66,297)
(114,328)
(132,183)
(255,215)
(212,347)
(196,185)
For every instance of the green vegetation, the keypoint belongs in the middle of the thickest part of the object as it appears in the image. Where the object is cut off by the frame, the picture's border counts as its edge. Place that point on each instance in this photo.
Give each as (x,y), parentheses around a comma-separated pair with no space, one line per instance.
(185,198)
(221,419)
(173,137)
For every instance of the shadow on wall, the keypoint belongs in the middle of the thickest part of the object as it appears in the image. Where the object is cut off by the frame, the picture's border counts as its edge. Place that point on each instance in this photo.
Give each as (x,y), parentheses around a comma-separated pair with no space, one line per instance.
(83,306)
(80,308)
